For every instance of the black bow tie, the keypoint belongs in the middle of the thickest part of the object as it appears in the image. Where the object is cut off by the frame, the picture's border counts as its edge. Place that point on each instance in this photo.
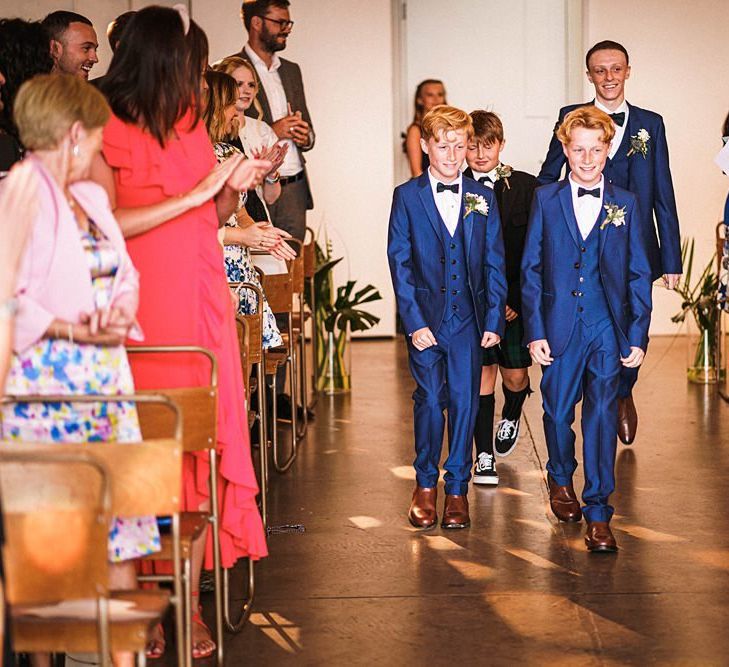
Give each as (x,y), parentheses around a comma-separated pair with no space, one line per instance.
(485,179)
(442,187)
(595,193)
(618,118)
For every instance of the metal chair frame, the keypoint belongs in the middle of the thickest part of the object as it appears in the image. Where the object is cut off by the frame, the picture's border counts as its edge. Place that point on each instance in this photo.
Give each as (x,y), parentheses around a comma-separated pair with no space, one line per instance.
(87,457)
(213,516)
(261,396)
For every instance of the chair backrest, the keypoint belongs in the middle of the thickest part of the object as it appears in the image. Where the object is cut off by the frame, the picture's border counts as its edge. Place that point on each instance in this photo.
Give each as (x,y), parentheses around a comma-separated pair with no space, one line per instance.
(309,252)
(297,266)
(254,323)
(198,405)
(279,290)
(57,509)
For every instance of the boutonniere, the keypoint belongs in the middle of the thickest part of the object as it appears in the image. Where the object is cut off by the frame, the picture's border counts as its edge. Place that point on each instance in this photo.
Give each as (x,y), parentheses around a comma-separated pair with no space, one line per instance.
(503,171)
(639,143)
(615,216)
(475,204)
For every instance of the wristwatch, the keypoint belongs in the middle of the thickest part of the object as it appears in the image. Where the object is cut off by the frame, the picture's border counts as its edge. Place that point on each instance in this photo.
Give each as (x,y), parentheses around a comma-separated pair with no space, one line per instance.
(8,309)
(275,179)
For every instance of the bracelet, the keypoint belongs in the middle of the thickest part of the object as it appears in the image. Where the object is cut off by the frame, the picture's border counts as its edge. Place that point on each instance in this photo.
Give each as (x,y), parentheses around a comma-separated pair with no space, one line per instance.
(8,309)
(276,178)
(70,333)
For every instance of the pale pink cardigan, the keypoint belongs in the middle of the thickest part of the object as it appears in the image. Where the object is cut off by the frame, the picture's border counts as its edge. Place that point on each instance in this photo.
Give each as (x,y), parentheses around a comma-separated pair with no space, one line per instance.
(54,280)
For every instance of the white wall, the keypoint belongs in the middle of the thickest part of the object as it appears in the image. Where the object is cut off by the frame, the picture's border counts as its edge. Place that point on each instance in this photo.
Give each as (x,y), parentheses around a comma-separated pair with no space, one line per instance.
(679,55)
(507,57)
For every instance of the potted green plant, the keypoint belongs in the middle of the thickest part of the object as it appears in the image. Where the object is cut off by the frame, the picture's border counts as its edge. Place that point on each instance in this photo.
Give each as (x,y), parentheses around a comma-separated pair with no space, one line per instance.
(337,314)
(699,299)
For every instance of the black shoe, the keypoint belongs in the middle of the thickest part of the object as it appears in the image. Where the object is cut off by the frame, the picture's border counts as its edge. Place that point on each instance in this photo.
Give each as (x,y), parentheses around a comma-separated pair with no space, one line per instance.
(283,408)
(485,470)
(507,433)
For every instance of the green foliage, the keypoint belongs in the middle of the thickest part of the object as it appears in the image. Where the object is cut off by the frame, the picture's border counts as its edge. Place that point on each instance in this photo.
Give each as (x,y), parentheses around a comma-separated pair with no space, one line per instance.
(335,308)
(699,299)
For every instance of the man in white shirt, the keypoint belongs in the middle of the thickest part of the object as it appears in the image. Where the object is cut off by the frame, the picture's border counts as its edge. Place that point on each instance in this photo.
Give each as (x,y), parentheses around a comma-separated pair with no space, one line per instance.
(281,96)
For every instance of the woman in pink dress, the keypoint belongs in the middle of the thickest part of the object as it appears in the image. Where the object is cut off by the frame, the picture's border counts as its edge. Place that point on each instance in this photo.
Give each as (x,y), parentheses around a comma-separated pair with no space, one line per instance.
(170,196)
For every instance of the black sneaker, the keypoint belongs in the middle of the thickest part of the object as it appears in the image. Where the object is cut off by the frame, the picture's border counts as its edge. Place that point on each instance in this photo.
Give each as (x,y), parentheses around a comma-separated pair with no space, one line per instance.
(485,470)
(507,433)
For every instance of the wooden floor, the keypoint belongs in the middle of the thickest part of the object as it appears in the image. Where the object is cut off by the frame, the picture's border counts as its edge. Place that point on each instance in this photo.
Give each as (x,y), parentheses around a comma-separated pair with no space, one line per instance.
(361,587)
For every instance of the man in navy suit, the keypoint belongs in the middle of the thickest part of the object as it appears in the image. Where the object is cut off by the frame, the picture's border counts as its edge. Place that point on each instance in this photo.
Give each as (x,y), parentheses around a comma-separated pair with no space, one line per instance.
(446,259)
(586,303)
(638,162)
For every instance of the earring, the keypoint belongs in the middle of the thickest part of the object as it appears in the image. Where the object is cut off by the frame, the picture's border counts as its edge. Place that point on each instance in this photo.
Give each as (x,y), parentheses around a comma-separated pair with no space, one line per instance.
(76,150)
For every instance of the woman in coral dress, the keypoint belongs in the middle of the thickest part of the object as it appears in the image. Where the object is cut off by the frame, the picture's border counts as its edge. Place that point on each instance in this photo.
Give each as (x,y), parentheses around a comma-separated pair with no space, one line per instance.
(169,197)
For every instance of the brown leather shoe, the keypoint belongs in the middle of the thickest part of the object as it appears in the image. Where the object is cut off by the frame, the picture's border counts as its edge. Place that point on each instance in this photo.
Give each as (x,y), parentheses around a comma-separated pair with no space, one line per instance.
(422,512)
(627,420)
(563,501)
(455,512)
(599,538)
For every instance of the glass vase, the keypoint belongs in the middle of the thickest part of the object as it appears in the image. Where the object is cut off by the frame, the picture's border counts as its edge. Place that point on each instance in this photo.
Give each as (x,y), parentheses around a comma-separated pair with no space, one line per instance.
(334,360)
(702,354)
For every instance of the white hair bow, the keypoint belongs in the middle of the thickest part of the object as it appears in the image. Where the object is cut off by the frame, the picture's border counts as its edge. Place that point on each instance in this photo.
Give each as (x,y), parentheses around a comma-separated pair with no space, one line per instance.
(184,15)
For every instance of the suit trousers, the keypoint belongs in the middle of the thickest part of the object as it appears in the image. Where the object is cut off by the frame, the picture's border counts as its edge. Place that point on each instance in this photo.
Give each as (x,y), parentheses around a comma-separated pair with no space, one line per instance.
(447,377)
(588,369)
(288,212)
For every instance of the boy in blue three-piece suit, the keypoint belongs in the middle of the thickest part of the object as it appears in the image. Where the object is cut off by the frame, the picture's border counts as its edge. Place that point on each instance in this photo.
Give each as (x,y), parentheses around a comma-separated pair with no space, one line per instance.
(586,303)
(638,162)
(446,259)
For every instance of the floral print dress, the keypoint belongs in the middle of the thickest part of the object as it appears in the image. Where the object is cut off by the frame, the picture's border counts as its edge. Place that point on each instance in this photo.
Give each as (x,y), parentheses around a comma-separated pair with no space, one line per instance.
(239,269)
(58,366)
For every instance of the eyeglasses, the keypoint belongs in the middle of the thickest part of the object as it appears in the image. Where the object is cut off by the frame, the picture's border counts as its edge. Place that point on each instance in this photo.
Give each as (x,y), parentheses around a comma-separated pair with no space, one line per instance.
(283,24)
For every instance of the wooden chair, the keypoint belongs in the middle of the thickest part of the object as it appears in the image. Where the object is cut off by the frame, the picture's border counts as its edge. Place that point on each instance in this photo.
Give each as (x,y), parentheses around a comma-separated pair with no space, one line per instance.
(279,291)
(199,417)
(199,407)
(52,490)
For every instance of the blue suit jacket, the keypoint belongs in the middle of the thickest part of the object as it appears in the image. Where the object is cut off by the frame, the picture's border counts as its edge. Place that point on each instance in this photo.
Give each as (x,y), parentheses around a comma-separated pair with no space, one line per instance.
(417,257)
(549,276)
(649,179)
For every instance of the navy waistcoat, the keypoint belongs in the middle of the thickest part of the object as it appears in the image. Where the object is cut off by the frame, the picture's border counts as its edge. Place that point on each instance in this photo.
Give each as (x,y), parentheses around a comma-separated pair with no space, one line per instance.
(459,301)
(592,306)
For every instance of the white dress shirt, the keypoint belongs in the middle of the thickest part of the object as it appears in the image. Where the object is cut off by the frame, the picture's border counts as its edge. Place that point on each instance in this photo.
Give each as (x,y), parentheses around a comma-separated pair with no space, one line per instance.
(619,131)
(587,208)
(271,81)
(491,174)
(447,202)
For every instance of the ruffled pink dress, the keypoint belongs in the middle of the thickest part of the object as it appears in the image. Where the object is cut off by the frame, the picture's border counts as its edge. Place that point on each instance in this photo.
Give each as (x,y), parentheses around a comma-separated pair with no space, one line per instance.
(184,300)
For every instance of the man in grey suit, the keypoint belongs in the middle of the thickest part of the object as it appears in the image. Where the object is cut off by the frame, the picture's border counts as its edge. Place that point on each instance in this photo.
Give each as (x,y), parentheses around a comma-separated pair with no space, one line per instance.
(281,96)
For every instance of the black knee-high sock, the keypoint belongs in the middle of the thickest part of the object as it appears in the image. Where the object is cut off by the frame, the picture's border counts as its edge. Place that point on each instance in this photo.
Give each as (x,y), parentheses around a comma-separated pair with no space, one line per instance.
(513,402)
(484,433)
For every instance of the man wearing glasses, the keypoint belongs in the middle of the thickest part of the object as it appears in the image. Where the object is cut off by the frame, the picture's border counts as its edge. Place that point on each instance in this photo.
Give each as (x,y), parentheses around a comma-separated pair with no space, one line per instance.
(281,96)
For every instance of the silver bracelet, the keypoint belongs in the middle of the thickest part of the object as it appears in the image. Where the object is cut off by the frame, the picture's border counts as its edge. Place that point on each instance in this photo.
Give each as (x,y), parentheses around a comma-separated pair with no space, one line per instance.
(8,309)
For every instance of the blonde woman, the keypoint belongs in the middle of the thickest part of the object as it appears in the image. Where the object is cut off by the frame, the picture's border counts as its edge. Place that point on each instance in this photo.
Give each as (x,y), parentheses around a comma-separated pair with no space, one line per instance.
(240,231)
(255,138)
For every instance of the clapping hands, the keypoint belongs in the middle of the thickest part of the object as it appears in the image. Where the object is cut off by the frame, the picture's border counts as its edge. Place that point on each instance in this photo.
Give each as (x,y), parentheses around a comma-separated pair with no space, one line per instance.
(274,154)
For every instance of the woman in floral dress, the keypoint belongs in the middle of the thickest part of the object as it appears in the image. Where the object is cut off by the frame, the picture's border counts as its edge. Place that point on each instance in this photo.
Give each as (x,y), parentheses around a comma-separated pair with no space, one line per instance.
(240,232)
(77,295)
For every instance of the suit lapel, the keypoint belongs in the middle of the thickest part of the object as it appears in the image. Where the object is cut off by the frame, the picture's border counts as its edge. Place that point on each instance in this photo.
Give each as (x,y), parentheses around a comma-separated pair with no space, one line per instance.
(608,198)
(428,201)
(467,222)
(630,130)
(565,199)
